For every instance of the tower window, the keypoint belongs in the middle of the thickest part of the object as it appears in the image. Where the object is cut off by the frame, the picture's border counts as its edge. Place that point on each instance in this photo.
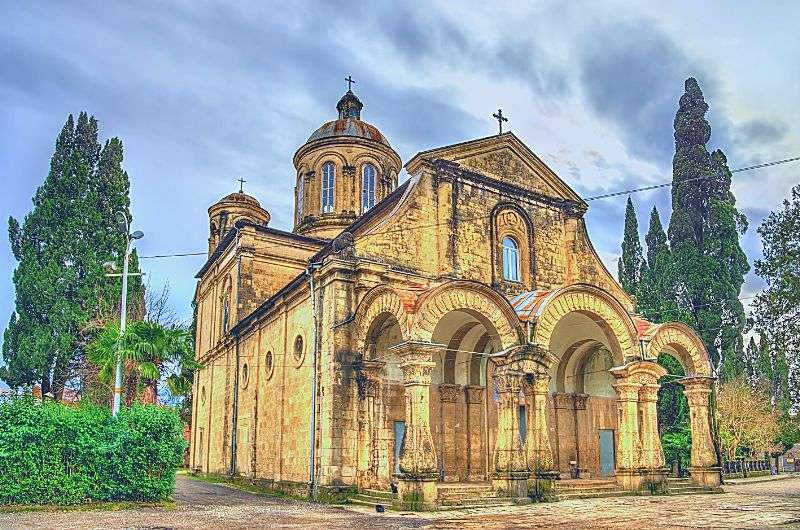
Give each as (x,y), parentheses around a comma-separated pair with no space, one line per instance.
(510,259)
(300,197)
(367,187)
(328,183)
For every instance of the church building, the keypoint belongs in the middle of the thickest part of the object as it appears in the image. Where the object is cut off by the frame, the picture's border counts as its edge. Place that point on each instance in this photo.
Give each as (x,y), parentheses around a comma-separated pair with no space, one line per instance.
(453,336)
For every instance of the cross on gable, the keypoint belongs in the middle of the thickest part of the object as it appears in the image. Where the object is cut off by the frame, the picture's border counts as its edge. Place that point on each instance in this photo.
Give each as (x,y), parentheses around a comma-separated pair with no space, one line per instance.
(350,82)
(500,119)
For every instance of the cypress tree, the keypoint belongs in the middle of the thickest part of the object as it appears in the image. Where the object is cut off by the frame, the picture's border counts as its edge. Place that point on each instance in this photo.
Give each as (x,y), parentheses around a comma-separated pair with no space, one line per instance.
(709,264)
(656,301)
(631,263)
(60,247)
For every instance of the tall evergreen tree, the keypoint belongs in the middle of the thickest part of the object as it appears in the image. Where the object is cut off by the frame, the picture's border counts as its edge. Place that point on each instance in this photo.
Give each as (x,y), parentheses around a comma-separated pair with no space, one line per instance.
(656,300)
(709,264)
(751,361)
(778,306)
(61,246)
(631,263)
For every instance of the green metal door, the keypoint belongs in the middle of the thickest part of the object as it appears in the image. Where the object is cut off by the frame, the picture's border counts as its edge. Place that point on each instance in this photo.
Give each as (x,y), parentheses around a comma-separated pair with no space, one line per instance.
(606,452)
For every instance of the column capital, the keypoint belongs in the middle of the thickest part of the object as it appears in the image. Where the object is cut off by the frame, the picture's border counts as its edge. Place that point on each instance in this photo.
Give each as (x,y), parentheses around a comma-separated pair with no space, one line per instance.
(541,384)
(449,392)
(508,380)
(474,394)
(563,401)
(627,390)
(649,392)
(416,361)
(697,382)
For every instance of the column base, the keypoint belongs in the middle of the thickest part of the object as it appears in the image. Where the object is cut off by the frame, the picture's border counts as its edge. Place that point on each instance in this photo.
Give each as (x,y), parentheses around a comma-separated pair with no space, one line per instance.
(513,484)
(645,481)
(418,493)
(706,477)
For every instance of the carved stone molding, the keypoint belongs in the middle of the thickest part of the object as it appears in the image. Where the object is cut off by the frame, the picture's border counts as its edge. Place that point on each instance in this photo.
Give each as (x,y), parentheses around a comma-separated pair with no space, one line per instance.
(563,401)
(580,401)
(449,393)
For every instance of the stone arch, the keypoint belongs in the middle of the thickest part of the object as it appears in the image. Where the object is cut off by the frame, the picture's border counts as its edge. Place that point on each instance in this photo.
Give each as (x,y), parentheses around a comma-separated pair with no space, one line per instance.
(607,311)
(379,301)
(328,156)
(482,302)
(690,350)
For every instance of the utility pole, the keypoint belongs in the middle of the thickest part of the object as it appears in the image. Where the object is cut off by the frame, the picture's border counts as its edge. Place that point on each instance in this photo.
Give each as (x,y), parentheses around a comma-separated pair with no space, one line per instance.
(122,221)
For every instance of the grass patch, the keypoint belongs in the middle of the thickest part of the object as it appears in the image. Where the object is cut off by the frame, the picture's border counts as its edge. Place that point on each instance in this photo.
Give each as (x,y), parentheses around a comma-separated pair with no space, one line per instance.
(112,506)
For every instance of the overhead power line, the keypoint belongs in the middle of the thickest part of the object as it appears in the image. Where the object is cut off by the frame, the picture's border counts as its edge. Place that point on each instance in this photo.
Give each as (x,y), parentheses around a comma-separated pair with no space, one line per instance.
(484,216)
(667,184)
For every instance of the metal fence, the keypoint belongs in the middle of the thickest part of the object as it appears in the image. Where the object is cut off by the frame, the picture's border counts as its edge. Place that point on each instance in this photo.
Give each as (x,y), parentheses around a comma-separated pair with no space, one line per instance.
(746,467)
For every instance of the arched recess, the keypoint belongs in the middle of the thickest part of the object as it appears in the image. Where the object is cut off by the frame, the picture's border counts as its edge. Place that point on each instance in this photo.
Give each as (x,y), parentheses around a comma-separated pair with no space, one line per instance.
(379,303)
(484,303)
(510,220)
(595,303)
(682,343)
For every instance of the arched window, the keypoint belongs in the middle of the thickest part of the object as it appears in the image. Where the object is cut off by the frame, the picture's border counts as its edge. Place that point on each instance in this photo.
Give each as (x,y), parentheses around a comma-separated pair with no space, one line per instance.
(328,183)
(510,259)
(367,187)
(300,196)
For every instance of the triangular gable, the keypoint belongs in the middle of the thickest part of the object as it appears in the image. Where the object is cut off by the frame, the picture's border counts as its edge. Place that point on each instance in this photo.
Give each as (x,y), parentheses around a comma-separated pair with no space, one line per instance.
(503,157)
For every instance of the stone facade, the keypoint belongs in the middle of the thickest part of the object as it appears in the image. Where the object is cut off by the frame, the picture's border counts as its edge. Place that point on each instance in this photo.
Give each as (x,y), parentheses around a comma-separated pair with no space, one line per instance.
(397,346)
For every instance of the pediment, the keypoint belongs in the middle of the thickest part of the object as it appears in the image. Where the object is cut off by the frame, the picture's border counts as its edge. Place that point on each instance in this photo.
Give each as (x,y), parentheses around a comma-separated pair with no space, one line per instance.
(503,157)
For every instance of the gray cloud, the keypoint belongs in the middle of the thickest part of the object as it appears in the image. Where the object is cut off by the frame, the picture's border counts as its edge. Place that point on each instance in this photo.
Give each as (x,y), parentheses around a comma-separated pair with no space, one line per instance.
(632,74)
(761,132)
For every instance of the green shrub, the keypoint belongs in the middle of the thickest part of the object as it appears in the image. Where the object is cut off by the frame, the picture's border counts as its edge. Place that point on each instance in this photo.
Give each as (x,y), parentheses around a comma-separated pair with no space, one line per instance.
(56,454)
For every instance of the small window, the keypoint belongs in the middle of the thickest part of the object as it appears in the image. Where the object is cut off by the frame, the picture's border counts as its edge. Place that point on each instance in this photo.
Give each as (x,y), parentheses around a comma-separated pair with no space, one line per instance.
(269,364)
(298,350)
(203,395)
(367,187)
(510,259)
(328,185)
(300,196)
(245,375)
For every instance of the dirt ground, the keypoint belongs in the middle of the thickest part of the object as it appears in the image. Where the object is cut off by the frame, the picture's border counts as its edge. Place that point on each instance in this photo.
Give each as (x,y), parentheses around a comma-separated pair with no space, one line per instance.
(774,504)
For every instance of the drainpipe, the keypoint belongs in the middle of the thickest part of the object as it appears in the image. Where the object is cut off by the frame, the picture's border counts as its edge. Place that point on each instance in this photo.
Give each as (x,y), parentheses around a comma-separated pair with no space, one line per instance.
(235,411)
(312,421)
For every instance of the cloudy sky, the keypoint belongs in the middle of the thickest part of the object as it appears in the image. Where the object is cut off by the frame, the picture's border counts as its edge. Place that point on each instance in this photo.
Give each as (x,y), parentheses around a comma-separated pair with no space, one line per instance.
(202,94)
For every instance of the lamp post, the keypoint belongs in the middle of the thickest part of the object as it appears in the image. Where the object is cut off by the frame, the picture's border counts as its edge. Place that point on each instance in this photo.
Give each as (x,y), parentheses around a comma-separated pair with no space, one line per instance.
(122,221)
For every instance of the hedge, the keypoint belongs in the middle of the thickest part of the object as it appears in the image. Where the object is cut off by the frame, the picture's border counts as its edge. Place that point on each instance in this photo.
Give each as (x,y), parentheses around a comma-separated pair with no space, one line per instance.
(57,454)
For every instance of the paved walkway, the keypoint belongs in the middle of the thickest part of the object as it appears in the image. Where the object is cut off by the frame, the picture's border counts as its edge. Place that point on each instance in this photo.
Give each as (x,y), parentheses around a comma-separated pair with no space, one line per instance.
(202,505)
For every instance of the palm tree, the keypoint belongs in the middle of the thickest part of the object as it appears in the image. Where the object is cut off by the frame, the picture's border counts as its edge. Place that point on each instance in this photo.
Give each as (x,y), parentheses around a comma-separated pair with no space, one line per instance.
(146,348)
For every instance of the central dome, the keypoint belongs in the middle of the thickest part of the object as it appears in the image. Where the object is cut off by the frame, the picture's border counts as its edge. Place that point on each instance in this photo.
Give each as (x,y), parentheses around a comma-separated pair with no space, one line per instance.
(349,127)
(349,123)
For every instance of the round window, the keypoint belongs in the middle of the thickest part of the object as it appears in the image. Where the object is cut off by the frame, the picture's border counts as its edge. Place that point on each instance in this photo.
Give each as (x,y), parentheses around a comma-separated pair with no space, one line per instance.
(269,364)
(298,350)
(245,375)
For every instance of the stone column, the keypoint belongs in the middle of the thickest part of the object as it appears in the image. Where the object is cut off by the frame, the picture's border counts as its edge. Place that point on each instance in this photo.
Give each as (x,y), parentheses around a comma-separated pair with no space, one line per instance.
(418,470)
(652,455)
(450,452)
(476,462)
(369,419)
(628,444)
(704,469)
(539,451)
(510,463)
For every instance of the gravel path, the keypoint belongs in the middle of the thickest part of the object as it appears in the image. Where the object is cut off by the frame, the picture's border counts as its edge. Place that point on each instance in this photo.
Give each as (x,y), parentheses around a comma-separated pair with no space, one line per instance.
(202,505)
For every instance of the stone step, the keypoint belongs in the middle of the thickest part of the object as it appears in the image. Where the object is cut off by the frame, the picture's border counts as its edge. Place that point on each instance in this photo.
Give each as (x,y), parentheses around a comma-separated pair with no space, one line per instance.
(367,500)
(474,503)
(688,490)
(383,494)
(585,487)
(592,494)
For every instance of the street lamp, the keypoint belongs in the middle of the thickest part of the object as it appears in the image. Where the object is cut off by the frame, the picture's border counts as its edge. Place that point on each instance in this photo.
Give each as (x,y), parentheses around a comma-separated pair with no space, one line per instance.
(124,226)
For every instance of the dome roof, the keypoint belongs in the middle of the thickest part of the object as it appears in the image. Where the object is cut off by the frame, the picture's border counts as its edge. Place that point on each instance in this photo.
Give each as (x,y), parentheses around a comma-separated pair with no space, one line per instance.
(349,123)
(349,127)
(240,197)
